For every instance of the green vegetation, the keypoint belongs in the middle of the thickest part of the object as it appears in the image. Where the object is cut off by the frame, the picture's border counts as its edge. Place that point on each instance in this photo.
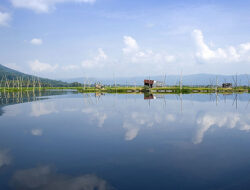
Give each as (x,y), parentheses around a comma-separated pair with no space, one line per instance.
(139,89)
(172,89)
(14,81)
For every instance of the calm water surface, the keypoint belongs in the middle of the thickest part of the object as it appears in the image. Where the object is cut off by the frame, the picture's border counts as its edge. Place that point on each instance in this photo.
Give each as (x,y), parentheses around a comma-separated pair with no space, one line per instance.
(67,140)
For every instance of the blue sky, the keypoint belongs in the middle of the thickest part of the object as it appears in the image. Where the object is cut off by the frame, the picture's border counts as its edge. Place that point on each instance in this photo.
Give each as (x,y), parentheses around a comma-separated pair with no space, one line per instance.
(102,38)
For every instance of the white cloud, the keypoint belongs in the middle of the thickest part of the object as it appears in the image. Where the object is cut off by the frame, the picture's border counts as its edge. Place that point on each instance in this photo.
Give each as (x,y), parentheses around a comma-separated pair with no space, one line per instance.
(245,47)
(36,41)
(38,66)
(131,45)
(230,54)
(43,6)
(101,55)
(135,54)
(4,158)
(37,132)
(97,61)
(4,19)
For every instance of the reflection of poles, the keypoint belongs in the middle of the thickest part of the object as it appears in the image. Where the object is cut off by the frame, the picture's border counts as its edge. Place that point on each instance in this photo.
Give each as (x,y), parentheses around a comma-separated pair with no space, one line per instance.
(34,96)
(236,101)
(21,96)
(18,97)
(216,98)
(28,96)
(164,101)
(8,97)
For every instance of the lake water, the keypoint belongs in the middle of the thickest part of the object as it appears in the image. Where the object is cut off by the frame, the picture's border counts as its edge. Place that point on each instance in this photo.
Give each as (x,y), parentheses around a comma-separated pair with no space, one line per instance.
(67,140)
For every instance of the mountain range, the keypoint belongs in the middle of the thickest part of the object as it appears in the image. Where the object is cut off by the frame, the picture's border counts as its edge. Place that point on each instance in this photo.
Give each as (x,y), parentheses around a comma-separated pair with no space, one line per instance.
(11,74)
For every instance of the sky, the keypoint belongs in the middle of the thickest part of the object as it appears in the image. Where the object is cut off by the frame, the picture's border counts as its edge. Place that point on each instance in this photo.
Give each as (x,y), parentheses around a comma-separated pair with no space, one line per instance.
(62,39)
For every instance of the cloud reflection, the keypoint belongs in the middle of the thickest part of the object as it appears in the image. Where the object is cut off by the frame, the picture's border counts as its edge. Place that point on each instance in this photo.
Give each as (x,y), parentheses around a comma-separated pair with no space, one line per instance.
(136,120)
(44,178)
(42,108)
(5,158)
(37,132)
(96,115)
(229,120)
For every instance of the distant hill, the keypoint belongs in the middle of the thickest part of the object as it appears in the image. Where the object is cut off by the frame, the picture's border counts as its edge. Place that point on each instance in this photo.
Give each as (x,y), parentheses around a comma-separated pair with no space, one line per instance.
(194,79)
(11,74)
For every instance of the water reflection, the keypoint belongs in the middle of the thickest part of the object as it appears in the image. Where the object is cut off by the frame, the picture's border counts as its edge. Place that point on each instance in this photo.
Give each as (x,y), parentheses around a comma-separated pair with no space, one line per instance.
(37,132)
(95,115)
(225,119)
(134,121)
(5,158)
(45,178)
(42,108)
(9,98)
(184,141)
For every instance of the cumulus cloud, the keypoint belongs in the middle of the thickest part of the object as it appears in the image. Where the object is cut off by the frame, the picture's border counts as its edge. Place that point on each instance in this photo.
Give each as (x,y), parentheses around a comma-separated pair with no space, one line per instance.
(205,53)
(4,18)
(97,61)
(36,41)
(136,54)
(5,158)
(43,6)
(229,120)
(38,66)
(44,178)
(37,132)
(130,43)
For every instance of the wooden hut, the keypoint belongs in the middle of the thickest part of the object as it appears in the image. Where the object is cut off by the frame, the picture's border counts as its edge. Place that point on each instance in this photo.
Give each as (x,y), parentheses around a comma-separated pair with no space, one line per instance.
(148,83)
